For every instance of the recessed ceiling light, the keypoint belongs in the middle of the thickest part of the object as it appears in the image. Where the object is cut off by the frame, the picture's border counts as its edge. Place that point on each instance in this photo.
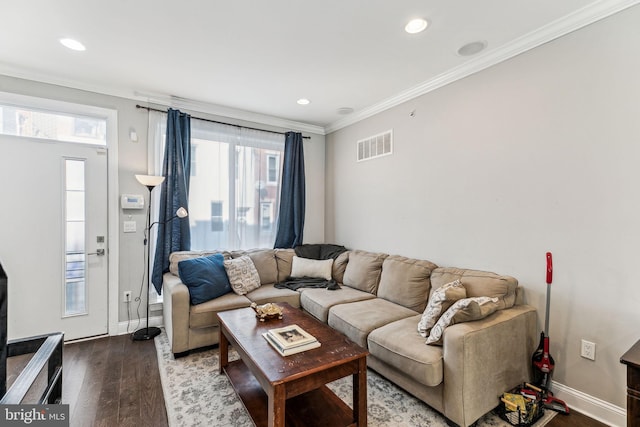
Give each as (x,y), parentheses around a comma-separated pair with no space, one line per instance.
(73,44)
(472,48)
(416,25)
(344,110)
(303,101)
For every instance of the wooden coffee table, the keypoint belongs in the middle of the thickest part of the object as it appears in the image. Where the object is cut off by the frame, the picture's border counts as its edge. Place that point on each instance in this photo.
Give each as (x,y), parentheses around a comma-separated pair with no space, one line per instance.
(291,390)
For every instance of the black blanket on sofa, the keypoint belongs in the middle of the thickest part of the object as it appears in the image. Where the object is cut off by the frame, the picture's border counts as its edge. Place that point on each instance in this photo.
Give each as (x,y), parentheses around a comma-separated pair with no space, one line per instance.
(319,251)
(295,283)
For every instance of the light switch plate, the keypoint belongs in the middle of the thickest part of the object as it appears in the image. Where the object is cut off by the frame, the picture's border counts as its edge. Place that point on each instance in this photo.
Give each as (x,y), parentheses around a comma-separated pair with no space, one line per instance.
(129,227)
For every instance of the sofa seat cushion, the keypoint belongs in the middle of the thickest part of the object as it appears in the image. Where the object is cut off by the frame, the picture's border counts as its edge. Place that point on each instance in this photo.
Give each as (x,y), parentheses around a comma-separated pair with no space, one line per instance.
(317,302)
(269,293)
(398,344)
(204,315)
(357,319)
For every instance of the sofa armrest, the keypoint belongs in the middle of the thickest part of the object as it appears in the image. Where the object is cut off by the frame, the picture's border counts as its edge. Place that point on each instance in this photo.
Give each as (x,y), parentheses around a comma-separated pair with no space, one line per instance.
(175,310)
(485,358)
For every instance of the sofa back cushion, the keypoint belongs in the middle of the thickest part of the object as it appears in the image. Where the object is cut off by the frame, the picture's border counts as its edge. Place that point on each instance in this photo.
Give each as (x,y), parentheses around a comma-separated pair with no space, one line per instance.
(339,266)
(363,270)
(479,284)
(405,281)
(176,257)
(264,261)
(284,260)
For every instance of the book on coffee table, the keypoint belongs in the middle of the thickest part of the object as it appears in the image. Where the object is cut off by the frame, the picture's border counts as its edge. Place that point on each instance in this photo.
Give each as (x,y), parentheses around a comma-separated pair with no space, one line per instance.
(290,339)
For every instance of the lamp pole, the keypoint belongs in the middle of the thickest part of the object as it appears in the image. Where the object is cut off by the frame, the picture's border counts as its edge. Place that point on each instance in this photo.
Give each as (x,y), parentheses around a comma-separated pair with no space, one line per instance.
(151,182)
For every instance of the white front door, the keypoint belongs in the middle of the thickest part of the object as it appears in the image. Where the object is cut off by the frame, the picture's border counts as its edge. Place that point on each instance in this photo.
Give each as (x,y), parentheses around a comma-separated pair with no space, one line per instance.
(53,237)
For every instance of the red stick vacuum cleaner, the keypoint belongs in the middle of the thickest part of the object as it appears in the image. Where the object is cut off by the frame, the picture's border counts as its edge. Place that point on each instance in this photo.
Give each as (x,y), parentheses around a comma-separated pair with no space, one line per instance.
(542,361)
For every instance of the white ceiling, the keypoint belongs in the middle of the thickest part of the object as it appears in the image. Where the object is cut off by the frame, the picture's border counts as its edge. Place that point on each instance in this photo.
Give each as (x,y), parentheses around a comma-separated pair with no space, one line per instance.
(260,56)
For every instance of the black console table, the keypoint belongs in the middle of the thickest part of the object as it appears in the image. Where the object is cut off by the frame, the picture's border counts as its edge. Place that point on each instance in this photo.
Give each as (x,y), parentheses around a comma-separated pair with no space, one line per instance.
(632,359)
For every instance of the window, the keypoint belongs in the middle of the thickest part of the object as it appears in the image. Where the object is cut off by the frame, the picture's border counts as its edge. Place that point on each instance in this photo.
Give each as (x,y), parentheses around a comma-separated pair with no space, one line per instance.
(193,167)
(273,167)
(216,216)
(17,120)
(230,205)
(266,210)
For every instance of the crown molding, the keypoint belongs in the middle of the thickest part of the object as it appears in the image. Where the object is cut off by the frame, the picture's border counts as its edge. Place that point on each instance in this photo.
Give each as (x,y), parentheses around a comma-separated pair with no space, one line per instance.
(162,99)
(556,29)
(569,23)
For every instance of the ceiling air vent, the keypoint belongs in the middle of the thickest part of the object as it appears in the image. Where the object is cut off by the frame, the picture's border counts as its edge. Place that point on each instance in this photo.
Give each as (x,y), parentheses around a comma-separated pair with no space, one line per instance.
(375,146)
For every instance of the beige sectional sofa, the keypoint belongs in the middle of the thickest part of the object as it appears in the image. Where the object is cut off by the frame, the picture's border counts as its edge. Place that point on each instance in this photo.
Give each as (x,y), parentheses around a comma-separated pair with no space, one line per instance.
(379,305)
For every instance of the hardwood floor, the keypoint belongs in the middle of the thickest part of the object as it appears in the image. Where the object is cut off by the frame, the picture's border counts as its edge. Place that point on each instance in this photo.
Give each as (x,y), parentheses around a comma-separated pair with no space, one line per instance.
(114,381)
(574,419)
(109,382)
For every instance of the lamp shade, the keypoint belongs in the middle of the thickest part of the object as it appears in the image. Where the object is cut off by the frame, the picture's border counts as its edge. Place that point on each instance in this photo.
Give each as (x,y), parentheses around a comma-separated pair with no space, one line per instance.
(182,213)
(150,180)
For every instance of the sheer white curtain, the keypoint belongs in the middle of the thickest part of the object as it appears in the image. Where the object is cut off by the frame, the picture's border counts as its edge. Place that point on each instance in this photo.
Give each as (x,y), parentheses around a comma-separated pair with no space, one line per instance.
(156,136)
(234,193)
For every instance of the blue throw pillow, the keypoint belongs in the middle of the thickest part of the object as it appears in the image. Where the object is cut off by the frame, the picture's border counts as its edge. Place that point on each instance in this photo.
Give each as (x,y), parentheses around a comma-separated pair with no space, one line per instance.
(205,277)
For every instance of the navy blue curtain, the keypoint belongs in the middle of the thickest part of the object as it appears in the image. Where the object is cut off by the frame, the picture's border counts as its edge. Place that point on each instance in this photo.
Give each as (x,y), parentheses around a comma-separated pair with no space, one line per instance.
(292,194)
(173,235)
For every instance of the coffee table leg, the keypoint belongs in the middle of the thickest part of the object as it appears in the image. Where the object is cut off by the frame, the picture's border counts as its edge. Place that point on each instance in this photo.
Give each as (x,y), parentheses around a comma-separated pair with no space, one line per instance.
(276,406)
(223,346)
(360,394)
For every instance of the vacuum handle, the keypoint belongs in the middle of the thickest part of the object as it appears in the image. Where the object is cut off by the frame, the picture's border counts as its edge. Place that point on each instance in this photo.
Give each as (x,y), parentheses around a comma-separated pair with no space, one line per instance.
(549,268)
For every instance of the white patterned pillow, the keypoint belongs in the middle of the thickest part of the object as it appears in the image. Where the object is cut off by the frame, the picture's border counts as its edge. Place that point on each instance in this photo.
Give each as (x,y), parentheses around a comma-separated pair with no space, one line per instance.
(441,299)
(242,274)
(464,310)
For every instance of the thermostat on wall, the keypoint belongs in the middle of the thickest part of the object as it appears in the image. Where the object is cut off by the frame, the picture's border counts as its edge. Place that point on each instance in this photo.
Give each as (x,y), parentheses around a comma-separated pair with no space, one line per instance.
(132,201)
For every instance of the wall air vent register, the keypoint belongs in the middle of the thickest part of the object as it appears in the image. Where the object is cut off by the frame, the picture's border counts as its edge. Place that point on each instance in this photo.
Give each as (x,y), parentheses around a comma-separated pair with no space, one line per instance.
(375,146)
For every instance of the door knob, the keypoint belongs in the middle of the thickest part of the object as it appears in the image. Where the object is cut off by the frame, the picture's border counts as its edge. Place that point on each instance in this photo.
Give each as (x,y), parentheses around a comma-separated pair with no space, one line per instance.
(99,252)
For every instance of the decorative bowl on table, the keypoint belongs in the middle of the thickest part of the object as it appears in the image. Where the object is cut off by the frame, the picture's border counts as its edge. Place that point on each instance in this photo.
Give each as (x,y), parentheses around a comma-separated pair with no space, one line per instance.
(267,311)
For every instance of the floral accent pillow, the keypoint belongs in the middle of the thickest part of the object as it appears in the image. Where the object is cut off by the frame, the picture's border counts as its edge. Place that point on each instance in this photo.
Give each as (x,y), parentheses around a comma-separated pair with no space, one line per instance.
(441,299)
(464,310)
(242,274)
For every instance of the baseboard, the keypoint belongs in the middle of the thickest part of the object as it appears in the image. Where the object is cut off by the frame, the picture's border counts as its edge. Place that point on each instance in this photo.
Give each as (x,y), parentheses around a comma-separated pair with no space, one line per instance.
(593,407)
(134,325)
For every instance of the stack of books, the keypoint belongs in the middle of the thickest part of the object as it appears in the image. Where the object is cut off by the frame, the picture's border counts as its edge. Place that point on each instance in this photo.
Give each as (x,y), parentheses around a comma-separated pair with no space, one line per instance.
(290,340)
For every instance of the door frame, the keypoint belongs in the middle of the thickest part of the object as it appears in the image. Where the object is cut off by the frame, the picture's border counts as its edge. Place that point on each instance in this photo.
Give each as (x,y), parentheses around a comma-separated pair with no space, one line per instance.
(113,214)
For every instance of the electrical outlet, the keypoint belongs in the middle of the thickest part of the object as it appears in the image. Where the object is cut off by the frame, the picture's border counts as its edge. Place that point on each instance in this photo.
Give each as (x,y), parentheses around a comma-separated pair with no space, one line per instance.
(126,296)
(588,350)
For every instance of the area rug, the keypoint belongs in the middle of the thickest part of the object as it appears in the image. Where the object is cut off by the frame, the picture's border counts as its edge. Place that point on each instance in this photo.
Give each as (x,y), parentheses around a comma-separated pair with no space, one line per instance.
(196,394)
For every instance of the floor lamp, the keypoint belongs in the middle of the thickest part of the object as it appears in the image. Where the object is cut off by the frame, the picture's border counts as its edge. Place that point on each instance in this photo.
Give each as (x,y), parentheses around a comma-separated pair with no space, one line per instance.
(151,181)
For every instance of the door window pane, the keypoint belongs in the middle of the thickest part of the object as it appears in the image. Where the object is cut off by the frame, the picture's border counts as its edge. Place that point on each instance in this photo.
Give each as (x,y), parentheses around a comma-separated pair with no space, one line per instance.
(75,258)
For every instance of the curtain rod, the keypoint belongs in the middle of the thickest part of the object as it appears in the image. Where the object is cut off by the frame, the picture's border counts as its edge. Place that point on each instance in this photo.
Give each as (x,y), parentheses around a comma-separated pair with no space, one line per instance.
(220,123)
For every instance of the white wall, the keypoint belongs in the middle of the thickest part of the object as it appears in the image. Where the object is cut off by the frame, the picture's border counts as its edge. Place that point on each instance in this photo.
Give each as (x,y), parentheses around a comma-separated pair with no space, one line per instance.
(539,153)
(132,158)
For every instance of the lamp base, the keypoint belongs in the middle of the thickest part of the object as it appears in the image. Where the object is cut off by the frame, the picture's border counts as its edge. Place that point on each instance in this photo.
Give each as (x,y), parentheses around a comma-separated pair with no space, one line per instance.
(145,334)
